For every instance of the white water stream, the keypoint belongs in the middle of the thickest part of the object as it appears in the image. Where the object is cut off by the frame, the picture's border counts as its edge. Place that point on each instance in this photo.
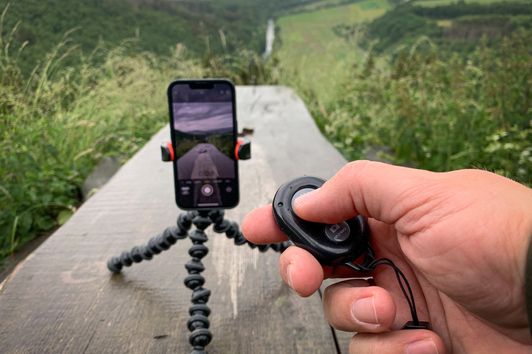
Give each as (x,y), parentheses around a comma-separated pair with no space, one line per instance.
(270,38)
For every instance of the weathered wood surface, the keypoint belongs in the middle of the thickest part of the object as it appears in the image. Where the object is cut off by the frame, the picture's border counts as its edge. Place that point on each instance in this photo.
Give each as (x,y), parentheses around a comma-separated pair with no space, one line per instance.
(62,299)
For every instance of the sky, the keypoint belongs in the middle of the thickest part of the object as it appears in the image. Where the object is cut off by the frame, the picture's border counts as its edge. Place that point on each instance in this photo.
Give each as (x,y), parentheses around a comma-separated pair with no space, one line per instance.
(203,117)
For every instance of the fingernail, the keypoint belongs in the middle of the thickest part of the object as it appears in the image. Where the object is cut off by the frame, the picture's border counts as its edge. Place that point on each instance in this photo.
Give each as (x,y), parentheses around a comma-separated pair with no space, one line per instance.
(364,311)
(425,346)
(289,275)
(302,197)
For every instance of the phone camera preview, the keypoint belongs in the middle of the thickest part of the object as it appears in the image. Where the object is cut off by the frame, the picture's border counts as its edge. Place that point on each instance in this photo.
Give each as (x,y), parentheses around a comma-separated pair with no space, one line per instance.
(203,131)
(185,190)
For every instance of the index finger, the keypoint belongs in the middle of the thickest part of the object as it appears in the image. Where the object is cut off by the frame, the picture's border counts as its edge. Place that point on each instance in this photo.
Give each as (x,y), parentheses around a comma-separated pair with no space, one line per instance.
(373,189)
(259,226)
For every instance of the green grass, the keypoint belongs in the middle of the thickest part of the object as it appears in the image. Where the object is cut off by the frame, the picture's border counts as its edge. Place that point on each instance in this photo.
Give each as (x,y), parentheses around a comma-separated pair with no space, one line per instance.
(441,113)
(318,57)
(58,123)
(71,111)
(424,101)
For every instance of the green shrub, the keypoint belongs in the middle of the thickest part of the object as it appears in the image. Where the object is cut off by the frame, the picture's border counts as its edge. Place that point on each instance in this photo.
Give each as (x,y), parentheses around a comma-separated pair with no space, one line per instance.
(399,26)
(56,124)
(455,27)
(59,121)
(243,67)
(442,114)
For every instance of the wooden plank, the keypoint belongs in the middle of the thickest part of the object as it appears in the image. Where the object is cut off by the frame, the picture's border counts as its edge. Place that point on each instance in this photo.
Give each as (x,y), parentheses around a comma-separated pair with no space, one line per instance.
(62,299)
(301,147)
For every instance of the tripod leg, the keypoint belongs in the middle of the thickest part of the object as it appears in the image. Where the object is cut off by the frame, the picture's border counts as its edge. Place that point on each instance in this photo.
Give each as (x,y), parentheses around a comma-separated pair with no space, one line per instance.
(232,230)
(198,322)
(155,245)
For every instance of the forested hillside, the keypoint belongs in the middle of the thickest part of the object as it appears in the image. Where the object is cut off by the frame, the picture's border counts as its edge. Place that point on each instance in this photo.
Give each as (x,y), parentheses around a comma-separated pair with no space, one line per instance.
(153,25)
(453,26)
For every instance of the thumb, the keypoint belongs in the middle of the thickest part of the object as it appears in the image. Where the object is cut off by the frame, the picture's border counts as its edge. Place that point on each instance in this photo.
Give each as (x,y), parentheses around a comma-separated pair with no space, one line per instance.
(373,189)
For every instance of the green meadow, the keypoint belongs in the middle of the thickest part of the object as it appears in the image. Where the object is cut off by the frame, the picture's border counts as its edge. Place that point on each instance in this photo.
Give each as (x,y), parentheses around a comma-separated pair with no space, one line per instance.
(311,50)
(436,84)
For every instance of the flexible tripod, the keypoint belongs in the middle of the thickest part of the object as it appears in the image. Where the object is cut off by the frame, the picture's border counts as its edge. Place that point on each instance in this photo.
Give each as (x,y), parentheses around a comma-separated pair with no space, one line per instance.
(198,322)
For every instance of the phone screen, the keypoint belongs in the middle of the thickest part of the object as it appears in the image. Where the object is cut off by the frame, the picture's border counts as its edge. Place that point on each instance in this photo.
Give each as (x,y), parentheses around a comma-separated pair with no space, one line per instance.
(203,128)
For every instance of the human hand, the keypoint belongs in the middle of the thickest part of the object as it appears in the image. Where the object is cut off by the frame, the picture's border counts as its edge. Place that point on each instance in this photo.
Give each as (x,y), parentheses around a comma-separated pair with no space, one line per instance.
(460,237)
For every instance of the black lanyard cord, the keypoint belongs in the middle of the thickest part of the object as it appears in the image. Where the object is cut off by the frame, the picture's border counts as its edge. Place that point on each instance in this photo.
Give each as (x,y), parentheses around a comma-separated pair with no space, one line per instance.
(370,265)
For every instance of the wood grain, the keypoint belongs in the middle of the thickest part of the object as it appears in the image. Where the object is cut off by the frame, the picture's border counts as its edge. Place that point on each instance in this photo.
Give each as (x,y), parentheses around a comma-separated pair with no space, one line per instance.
(62,299)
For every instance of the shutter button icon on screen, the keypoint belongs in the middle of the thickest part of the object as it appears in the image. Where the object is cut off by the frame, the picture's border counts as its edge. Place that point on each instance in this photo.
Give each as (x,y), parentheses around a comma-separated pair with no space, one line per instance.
(207,190)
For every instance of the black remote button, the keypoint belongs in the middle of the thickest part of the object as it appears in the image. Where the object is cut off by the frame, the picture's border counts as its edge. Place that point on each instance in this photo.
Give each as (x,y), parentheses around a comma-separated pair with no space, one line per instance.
(329,244)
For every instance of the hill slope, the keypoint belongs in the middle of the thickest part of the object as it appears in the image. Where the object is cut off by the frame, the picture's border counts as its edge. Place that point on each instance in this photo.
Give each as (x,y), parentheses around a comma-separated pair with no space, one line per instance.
(155,25)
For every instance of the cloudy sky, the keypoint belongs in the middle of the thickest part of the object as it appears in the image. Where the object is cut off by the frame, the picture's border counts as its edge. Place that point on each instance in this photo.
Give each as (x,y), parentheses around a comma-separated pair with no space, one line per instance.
(203,117)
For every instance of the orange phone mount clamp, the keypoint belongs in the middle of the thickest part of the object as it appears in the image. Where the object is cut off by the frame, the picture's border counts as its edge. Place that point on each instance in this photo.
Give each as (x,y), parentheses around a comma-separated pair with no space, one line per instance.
(242,150)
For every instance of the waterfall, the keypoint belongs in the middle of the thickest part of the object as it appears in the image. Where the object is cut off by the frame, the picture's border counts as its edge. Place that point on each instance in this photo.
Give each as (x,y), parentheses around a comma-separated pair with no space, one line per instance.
(270,38)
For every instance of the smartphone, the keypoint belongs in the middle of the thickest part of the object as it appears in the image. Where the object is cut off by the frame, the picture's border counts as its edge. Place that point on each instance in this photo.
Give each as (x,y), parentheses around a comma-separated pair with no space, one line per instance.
(204,136)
